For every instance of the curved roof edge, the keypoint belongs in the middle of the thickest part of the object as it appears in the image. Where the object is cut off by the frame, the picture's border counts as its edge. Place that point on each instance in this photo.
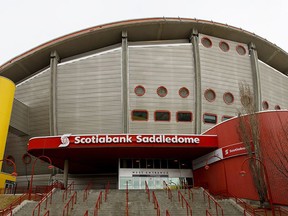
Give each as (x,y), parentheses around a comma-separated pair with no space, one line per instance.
(148,29)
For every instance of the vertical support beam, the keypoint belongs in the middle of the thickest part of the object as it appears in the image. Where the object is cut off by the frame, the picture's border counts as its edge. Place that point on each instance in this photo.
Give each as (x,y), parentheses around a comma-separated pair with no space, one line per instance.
(54,60)
(255,77)
(65,174)
(124,75)
(198,89)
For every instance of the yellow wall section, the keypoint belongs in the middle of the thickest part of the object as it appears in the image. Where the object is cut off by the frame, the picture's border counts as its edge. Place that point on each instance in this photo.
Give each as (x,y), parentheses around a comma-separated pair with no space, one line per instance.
(7,89)
(3,178)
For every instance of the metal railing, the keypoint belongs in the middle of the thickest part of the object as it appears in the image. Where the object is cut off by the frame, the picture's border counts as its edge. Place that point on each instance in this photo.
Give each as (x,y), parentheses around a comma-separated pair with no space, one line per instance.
(16,202)
(47,213)
(107,188)
(44,199)
(86,191)
(73,201)
(147,190)
(168,190)
(68,189)
(190,192)
(210,198)
(281,211)
(208,213)
(188,207)
(156,204)
(167,213)
(248,208)
(98,204)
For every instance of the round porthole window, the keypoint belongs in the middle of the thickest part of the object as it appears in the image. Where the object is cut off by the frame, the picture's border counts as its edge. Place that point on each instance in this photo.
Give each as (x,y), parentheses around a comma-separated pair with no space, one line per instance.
(206,42)
(139,90)
(265,105)
(210,95)
(162,91)
(26,158)
(277,107)
(224,46)
(240,50)
(183,92)
(228,98)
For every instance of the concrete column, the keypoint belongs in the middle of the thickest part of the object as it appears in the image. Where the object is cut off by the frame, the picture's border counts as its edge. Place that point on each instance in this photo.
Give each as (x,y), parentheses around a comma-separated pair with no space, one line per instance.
(198,89)
(255,77)
(54,60)
(65,175)
(124,75)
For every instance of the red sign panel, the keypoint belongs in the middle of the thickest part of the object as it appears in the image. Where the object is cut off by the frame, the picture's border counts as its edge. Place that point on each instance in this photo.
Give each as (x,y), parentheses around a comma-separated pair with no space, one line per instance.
(233,150)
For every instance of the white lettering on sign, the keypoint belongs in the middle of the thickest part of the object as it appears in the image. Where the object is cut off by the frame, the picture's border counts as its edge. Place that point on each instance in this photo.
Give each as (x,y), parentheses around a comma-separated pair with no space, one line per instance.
(104,139)
(164,139)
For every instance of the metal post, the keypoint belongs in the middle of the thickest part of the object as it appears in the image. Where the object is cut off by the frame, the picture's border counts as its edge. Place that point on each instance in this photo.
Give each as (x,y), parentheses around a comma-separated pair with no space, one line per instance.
(65,175)
(197,70)
(255,77)
(54,59)
(32,173)
(125,85)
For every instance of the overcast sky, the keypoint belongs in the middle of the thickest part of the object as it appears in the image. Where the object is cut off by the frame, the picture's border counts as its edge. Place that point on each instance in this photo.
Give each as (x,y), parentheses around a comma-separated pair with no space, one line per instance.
(26,24)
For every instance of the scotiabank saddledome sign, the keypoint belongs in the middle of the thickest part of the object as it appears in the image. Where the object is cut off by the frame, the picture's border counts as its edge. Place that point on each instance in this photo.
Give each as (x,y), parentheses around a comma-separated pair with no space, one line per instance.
(102,139)
(76,141)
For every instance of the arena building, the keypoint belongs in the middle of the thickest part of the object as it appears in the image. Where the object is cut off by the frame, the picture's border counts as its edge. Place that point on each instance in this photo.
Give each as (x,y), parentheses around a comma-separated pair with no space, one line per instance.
(148,99)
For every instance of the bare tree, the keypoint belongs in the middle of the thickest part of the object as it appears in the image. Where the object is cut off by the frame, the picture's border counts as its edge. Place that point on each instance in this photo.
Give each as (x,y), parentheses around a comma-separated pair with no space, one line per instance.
(250,135)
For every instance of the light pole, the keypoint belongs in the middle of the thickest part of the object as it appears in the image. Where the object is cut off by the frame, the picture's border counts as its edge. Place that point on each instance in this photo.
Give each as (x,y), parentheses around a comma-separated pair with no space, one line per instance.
(243,173)
(32,173)
(14,173)
(225,173)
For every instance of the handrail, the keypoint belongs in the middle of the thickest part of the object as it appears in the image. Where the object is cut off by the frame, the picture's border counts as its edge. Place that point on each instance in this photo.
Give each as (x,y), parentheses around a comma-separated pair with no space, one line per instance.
(209,197)
(47,213)
(45,198)
(73,200)
(86,213)
(147,190)
(86,191)
(156,204)
(16,202)
(167,188)
(107,188)
(65,192)
(127,200)
(249,208)
(167,213)
(208,213)
(98,203)
(188,207)
(190,192)
(281,210)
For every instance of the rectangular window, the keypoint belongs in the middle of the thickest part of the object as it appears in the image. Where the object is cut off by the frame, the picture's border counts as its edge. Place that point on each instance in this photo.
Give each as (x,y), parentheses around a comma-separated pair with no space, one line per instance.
(173,164)
(125,163)
(224,118)
(162,116)
(210,118)
(164,164)
(184,116)
(140,115)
